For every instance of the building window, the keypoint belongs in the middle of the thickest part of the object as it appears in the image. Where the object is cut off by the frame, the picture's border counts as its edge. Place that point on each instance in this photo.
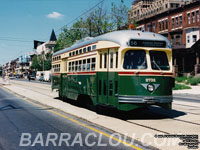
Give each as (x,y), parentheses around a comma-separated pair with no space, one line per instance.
(180,20)
(188,16)
(166,24)
(163,25)
(197,15)
(172,22)
(188,39)
(159,26)
(194,37)
(176,21)
(193,17)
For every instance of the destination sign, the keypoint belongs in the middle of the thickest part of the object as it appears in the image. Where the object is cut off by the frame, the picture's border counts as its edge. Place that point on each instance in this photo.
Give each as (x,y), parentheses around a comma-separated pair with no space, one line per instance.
(147,43)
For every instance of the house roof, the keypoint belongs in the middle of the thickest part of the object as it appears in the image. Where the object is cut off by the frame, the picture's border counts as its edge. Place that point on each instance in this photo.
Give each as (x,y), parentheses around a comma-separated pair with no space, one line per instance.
(53,36)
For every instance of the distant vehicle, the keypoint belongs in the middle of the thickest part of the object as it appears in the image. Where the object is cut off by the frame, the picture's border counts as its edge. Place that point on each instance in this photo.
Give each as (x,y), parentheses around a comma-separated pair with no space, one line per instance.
(18,76)
(32,77)
(11,77)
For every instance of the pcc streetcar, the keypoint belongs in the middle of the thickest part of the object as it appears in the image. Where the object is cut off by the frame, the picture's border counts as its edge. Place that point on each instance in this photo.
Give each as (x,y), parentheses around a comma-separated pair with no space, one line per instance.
(122,69)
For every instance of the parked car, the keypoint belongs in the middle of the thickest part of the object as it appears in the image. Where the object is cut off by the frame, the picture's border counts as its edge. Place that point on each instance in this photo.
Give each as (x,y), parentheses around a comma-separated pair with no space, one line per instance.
(18,76)
(32,77)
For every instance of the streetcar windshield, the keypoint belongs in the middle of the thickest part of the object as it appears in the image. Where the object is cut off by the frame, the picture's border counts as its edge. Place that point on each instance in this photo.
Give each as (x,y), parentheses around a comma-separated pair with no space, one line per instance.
(135,59)
(159,60)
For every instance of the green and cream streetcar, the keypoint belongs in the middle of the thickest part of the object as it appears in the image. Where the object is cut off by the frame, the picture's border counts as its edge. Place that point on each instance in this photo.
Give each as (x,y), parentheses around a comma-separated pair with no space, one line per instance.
(122,69)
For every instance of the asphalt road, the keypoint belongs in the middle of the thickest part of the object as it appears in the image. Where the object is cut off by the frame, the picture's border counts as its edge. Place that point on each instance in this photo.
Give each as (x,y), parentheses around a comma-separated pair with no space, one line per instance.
(26,125)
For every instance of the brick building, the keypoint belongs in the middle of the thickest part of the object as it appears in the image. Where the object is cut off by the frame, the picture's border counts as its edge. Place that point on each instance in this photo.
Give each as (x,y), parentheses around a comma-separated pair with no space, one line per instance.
(182,27)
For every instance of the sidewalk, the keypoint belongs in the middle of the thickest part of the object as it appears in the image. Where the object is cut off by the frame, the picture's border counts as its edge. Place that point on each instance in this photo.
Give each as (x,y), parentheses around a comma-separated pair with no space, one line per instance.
(194,91)
(4,81)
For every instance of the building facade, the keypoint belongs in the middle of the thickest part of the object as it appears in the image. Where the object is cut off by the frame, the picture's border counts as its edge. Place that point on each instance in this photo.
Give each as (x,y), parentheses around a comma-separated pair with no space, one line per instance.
(47,47)
(182,27)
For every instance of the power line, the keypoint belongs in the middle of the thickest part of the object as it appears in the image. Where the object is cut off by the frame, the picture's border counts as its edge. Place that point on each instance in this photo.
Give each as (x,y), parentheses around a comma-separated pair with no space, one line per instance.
(90,9)
(14,40)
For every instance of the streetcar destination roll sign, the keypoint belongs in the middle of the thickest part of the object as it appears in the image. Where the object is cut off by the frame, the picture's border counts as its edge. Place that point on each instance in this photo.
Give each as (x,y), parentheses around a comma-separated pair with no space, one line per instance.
(147,43)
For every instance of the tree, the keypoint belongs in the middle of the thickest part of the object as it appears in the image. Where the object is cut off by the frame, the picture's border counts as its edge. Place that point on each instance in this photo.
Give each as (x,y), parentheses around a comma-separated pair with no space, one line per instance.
(119,15)
(98,22)
(36,63)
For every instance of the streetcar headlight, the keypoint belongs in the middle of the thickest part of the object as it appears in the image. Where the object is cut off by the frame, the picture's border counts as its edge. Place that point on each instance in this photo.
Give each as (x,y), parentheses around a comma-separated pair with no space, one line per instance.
(150,87)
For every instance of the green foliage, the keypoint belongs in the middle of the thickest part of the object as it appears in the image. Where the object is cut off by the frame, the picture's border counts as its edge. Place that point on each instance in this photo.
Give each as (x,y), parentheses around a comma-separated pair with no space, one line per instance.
(96,23)
(193,80)
(180,79)
(41,62)
(119,15)
(181,87)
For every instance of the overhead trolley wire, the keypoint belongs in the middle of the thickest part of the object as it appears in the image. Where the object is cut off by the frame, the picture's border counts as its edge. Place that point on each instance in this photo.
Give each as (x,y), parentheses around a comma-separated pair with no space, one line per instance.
(90,9)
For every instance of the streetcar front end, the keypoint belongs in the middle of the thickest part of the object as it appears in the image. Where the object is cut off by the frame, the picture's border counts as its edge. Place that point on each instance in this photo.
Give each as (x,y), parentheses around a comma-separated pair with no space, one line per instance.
(146,78)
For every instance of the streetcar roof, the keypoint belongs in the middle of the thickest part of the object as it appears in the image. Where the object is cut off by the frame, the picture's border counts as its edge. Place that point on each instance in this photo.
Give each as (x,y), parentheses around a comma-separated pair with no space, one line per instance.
(119,37)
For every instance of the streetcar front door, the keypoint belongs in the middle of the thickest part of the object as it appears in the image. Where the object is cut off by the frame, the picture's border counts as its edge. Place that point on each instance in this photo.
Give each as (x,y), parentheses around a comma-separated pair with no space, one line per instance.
(107,77)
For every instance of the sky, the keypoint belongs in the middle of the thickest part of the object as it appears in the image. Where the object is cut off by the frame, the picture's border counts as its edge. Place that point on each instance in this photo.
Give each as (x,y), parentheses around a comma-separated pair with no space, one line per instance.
(22,21)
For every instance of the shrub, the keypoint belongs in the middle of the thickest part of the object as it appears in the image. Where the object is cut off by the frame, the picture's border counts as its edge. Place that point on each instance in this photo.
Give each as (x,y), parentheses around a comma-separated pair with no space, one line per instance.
(181,87)
(194,81)
(180,79)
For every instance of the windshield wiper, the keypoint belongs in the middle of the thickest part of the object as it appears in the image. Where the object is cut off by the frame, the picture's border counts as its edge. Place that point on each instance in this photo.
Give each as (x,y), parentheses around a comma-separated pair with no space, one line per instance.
(156,65)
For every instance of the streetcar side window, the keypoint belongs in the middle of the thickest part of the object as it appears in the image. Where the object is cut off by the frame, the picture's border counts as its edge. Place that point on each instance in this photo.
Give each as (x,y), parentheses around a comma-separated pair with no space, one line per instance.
(116,60)
(88,64)
(80,51)
(89,48)
(135,59)
(84,50)
(111,60)
(80,64)
(100,61)
(159,60)
(72,66)
(69,68)
(105,60)
(77,52)
(93,64)
(76,65)
(94,47)
(84,64)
